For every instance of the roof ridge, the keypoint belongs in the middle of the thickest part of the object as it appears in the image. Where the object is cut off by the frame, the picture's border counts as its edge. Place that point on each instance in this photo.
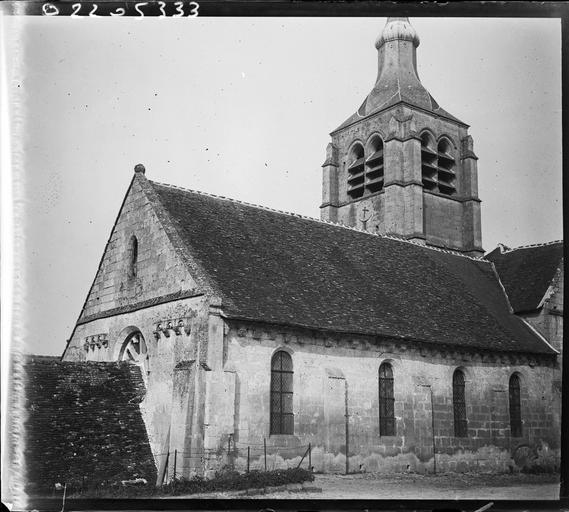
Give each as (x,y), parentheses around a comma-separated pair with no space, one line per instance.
(321,221)
(531,246)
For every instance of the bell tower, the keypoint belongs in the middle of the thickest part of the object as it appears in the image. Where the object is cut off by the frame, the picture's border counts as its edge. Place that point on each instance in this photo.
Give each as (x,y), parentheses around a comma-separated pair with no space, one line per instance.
(401,165)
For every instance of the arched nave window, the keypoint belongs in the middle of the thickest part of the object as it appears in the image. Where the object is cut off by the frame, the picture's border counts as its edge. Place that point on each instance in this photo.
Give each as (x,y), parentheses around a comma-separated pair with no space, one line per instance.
(515,407)
(386,401)
(282,418)
(459,404)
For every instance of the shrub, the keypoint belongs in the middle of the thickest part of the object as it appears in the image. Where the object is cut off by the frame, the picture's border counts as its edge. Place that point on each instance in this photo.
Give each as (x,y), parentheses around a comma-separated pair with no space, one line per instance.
(231,480)
(224,480)
(546,461)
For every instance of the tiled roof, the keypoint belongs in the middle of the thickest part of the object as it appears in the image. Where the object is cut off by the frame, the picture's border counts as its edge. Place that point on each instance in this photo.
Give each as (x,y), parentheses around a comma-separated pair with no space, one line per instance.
(527,272)
(287,269)
(83,424)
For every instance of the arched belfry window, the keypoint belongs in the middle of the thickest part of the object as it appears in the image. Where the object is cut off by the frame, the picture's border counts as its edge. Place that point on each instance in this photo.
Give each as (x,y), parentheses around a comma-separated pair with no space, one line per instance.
(386,401)
(356,171)
(446,165)
(282,418)
(437,165)
(459,404)
(515,406)
(374,165)
(132,256)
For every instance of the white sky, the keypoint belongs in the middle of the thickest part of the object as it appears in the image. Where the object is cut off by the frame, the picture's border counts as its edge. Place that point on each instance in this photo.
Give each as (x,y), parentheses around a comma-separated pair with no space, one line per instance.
(242,108)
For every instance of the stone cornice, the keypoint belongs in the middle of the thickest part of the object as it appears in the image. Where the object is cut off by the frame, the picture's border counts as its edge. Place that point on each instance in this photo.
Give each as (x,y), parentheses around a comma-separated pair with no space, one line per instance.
(130,308)
(459,199)
(413,136)
(287,335)
(325,205)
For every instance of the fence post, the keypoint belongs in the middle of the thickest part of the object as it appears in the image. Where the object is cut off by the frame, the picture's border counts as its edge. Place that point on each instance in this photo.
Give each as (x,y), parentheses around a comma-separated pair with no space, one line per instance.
(248,454)
(309,457)
(265,447)
(175,459)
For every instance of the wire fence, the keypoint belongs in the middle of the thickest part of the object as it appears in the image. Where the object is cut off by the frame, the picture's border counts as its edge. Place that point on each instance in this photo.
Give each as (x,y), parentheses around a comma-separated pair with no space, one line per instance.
(176,465)
(236,456)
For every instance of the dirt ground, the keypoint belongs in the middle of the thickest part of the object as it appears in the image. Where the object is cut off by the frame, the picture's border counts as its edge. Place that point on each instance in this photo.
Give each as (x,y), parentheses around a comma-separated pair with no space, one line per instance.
(413,486)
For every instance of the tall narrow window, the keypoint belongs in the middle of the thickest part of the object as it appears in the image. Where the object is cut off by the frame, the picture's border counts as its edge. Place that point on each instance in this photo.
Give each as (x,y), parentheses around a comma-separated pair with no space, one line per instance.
(515,407)
(459,404)
(282,418)
(386,401)
(133,257)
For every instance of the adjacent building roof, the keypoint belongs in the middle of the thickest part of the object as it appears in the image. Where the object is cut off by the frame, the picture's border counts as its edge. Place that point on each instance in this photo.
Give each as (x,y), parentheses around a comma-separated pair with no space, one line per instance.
(287,269)
(527,272)
(83,424)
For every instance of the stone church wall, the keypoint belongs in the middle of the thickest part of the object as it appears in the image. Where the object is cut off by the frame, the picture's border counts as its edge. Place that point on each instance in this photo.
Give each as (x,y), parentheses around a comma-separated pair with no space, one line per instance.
(327,367)
(159,270)
(168,397)
(443,219)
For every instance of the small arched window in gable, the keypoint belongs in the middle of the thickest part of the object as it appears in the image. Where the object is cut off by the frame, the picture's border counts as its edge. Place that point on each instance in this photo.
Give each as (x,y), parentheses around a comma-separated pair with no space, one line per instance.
(132,257)
(374,166)
(282,417)
(515,406)
(446,165)
(386,401)
(356,171)
(459,404)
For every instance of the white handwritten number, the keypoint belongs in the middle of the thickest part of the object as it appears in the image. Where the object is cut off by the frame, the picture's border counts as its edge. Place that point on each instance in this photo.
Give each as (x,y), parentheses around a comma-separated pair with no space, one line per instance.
(49,10)
(92,13)
(162,11)
(179,9)
(76,8)
(119,12)
(140,5)
(194,9)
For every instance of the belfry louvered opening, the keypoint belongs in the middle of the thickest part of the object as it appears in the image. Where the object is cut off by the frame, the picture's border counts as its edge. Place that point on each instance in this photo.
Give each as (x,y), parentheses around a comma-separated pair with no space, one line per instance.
(374,165)
(437,165)
(356,172)
(282,417)
(428,162)
(446,165)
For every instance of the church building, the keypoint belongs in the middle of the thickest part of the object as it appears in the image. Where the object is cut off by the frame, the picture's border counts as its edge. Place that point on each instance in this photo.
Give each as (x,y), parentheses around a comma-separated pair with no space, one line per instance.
(379,334)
